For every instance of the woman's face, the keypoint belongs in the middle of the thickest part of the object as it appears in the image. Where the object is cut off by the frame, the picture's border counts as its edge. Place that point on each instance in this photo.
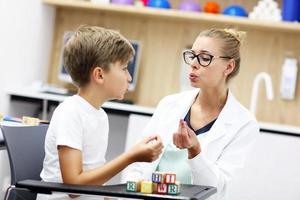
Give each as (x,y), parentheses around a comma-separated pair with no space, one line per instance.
(210,76)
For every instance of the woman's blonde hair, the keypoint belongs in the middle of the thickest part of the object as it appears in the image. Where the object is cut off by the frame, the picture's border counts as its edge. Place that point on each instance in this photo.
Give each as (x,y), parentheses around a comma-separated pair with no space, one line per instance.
(232,40)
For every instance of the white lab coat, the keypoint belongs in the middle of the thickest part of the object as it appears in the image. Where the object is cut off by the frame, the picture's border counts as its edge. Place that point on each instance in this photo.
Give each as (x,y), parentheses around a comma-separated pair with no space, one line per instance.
(224,147)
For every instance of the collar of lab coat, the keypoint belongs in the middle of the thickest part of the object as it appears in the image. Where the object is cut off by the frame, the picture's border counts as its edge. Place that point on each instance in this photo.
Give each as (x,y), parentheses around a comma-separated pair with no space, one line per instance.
(225,119)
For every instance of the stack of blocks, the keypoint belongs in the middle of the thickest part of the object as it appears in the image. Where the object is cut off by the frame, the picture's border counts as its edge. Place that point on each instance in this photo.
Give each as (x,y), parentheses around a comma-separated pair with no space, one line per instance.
(162,183)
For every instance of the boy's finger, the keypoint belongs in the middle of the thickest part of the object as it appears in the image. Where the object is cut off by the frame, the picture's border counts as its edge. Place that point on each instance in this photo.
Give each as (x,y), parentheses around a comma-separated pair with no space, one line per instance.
(157,143)
(158,138)
(149,138)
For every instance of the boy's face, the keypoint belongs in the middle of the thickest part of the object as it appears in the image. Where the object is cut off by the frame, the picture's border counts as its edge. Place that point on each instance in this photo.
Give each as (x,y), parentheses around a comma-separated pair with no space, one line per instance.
(117,80)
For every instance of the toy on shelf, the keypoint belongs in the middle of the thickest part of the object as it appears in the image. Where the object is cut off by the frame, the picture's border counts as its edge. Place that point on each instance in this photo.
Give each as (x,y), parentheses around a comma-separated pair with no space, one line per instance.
(124,2)
(235,10)
(189,5)
(9,118)
(139,3)
(31,121)
(266,10)
(145,2)
(212,7)
(159,4)
(162,183)
(291,10)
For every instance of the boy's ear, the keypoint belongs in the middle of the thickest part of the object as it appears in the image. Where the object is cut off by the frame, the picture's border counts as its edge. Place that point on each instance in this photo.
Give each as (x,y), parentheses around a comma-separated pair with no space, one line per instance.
(229,67)
(98,75)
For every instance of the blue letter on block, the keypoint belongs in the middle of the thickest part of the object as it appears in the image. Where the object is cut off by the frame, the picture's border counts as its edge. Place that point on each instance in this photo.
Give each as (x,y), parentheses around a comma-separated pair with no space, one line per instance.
(156,177)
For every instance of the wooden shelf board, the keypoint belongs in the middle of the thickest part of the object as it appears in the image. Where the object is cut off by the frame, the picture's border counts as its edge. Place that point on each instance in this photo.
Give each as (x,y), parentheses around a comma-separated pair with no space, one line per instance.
(173,14)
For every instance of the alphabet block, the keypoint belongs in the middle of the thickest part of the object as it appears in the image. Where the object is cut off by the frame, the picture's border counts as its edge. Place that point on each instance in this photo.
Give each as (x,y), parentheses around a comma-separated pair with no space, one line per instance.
(170,178)
(132,186)
(162,188)
(146,187)
(30,121)
(157,177)
(174,189)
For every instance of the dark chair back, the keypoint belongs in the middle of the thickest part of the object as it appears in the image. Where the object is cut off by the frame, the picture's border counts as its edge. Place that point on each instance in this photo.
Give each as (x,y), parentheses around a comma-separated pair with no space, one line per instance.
(25,147)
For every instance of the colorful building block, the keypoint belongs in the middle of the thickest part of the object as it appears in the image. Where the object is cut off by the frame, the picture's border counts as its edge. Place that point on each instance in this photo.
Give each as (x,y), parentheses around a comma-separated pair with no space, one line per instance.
(30,121)
(157,177)
(154,188)
(146,187)
(170,178)
(162,188)
(179,186)
(174,189)
(162,183)
(132,186)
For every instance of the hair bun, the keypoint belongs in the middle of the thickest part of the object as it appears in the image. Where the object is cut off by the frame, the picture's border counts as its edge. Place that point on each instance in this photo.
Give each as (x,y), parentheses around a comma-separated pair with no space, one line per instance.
(238,35)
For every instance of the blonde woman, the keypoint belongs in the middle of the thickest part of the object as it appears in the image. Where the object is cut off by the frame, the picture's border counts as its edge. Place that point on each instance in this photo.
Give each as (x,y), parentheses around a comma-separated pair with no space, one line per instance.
(206,132)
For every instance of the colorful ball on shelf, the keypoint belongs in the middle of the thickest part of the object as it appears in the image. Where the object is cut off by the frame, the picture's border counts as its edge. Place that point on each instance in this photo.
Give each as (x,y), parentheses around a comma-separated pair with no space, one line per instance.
(212,7)
(124,2)
(159,4)
(235,10)
(189,5)
(145,2)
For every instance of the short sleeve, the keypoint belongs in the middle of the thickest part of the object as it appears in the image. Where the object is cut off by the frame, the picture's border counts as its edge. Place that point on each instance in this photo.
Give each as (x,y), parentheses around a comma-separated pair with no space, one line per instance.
(68,128)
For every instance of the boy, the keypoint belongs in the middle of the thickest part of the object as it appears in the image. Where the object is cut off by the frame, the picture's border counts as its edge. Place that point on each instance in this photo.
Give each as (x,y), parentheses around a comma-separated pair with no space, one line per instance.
(76,141)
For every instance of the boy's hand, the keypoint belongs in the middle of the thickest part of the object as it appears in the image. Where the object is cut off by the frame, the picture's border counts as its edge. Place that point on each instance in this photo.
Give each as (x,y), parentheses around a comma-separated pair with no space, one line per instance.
(185,138)
(147,150)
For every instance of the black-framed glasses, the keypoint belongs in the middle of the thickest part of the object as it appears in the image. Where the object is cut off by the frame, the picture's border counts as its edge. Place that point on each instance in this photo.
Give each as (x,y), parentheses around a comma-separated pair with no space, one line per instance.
(204,59)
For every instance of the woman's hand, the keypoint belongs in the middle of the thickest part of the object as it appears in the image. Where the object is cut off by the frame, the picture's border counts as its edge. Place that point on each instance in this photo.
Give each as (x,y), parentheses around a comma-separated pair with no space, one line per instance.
(147,150)
(185,138)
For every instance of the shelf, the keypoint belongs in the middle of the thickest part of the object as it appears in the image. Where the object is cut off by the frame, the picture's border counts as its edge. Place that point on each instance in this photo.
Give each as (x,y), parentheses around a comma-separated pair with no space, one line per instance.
(173,14)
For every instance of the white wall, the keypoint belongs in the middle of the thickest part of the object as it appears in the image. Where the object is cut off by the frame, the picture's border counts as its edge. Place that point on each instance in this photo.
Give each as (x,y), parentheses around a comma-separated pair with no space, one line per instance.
(25,43)
(272,170)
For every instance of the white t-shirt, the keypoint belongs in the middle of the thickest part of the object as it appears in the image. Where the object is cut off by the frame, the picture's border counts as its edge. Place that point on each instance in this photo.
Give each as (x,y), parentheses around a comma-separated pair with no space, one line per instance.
(77,124)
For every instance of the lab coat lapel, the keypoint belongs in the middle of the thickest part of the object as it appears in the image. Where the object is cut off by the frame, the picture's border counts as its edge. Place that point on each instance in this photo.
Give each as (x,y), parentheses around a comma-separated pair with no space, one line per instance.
(224,120)
(187,103)
(217,131)
(170,122)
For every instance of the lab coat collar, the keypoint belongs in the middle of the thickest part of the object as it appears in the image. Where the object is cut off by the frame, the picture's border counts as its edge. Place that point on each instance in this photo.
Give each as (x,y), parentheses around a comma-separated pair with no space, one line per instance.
(225,119)
(225,115)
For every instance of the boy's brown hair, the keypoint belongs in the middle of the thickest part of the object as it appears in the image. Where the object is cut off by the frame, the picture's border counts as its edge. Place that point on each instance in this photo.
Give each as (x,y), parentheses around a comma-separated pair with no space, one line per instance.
(93,46)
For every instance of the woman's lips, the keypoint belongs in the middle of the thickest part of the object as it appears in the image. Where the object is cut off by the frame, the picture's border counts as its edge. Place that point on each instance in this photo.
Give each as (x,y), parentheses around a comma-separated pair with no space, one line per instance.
(193,77)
